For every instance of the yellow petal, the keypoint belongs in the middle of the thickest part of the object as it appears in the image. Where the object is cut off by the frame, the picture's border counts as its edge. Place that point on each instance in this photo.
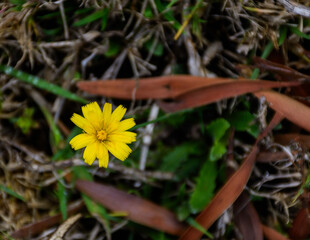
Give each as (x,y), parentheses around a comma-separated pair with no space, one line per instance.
(93,114)
(102,155)
(106,112)
(118,114)
(83,123)
(112,127)
(82,140)
(90,153)
(118,149)
(126,124)
(125,137)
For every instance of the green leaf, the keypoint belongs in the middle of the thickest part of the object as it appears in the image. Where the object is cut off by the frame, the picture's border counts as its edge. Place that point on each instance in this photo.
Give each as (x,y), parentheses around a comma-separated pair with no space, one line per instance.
(203,191)
(82,11)
(11,192)
(67,151)
(104,21)
(40,83)
(62,197)
(218,128)
(299,33)
(183,211)
(114,48)
(26,122)
(168,14)
(91,18)
(241,120)
(148,13)
(159,49)
(51,32)
(267,50)
(18,2)
(56,134)
(254,130)
(178,155)
(283,34)
(217,151)
(19,5)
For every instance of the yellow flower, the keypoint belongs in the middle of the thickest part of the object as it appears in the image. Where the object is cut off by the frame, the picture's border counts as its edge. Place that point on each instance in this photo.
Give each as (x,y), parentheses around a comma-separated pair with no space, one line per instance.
(103,132)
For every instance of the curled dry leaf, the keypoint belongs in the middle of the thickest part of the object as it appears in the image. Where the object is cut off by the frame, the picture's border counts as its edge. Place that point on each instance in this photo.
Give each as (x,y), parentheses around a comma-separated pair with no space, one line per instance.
(138,209)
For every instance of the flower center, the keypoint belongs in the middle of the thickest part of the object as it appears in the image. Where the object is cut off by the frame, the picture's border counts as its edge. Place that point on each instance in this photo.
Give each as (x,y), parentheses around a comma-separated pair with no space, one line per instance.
(102,135)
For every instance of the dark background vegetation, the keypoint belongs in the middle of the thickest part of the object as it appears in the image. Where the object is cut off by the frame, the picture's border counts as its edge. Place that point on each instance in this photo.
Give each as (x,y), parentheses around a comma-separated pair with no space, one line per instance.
(53,44)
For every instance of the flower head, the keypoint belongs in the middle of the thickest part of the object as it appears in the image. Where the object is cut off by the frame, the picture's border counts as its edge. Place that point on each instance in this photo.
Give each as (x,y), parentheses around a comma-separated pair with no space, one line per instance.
(103,132)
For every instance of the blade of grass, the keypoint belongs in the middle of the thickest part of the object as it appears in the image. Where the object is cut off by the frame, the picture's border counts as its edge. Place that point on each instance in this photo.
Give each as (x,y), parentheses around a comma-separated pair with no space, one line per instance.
(62,197)
(161,118)
(91,18)
(104,18)
(41,83)
(299,33)
(167,14)
(265,54)
(196,225)
(57,137)
(283,34)
(11,192)
(185,23)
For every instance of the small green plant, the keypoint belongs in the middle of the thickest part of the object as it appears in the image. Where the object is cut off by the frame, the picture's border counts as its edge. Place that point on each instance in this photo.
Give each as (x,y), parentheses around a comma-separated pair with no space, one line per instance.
(25,122)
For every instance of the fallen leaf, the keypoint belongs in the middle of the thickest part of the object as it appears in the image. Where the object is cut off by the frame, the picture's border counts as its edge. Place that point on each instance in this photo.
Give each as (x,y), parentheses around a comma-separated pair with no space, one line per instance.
(288,138)
(137,209)
(173,86)
(286,73)
(301,225)
(272,234)
(231,190)
(291,109)
(246,219)
(45,223)
(216,92)
(266,157)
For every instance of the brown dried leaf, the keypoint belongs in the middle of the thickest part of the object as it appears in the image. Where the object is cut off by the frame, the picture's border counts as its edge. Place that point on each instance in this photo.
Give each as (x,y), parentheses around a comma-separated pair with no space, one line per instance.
(291,109)
(37,227)
(227,195)
(301,225)
(220,91)
(266,157)
(145,88)
(246,218)
(272,234)
(288,138)
(224,198)
(286,73)
(175,85)
(138,209)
